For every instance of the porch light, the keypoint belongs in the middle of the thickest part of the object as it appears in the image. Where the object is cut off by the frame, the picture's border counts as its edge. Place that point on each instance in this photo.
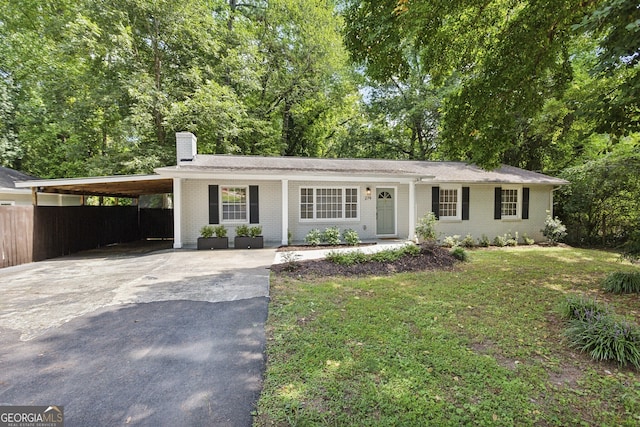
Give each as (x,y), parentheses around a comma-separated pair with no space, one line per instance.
(368,192)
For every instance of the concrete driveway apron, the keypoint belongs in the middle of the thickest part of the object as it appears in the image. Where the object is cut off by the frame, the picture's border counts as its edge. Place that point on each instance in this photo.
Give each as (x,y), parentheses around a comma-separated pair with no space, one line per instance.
(169,337)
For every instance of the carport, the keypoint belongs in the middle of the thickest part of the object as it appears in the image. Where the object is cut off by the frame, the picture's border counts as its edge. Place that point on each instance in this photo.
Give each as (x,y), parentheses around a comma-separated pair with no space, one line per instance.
(53,231)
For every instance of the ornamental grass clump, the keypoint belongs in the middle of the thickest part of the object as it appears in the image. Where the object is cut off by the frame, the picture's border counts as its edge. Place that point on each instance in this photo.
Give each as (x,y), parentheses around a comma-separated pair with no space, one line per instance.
(580,307)
(622,282)
(606,337)
(595,329)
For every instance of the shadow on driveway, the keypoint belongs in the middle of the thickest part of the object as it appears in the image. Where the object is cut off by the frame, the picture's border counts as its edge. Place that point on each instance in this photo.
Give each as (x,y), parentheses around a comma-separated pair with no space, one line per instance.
(165,363)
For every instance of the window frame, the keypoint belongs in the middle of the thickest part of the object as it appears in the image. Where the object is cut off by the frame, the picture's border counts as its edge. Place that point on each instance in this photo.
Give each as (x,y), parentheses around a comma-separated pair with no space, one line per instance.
(343,204)
(458,215)
(222,205)
(518,207)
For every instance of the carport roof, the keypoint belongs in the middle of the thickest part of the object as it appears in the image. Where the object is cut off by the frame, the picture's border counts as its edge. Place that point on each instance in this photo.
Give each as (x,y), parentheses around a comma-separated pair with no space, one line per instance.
(115,186)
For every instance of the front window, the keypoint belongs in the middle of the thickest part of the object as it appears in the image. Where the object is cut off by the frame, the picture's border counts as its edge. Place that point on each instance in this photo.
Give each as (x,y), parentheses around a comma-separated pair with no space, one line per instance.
(509,203)
(328,203)
(234,204)
(448,203)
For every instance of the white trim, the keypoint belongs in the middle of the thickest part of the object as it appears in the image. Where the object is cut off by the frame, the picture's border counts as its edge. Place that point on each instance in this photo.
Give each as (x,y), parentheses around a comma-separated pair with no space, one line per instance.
(285,212)
(518,215)
(177,213)
(458,216)
(343,189)
(7,203)
(412,212)
(246,206)
(90,180)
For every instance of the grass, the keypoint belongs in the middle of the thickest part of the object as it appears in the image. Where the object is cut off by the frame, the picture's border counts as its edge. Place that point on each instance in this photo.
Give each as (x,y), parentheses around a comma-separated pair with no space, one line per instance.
(481,345)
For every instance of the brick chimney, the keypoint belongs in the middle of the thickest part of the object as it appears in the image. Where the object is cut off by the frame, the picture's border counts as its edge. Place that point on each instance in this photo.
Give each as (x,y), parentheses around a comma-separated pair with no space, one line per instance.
(186,147)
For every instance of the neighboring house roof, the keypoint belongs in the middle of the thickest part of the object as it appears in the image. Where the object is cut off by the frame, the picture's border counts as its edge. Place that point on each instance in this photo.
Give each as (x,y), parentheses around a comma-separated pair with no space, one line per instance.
(283,167)
(9,177)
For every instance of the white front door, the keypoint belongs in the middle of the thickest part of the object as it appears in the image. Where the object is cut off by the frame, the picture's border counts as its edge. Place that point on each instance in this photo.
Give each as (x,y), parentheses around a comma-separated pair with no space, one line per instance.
(385,211)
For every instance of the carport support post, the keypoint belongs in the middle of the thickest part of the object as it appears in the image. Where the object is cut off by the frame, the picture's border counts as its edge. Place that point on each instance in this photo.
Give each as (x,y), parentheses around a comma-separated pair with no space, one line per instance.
(412,210)
(177,213)
(285,212)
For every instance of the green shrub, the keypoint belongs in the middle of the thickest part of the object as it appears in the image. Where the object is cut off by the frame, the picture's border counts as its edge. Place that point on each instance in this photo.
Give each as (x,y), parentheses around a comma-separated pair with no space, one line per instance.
(313,237)
(622,282)
(451,241)
(554,230)
(606,338)
(331,236)
(578,307)
(387,255)
(426,227)
(220,231)
(242,230)
(484,241)
(255,231)
(500,241)
(206,231)
(468,241)
(527,240)
(510,240)
(413,250)
(460,254)
(347,258)
(351,237)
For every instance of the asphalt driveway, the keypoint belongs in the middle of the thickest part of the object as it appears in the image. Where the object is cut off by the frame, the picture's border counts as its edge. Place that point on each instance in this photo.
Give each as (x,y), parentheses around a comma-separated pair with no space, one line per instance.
(137,338)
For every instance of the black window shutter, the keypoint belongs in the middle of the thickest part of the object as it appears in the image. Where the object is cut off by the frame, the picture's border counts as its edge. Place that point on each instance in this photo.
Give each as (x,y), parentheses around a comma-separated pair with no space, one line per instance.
(254,207)
(525,203)
(497,208)
(435,201)
(465,203)
(214,209)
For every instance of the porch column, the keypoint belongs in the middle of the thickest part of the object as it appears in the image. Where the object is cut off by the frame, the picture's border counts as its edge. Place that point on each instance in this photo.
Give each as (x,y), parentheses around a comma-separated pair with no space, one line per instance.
(412,211)
(177,213)
(285,212)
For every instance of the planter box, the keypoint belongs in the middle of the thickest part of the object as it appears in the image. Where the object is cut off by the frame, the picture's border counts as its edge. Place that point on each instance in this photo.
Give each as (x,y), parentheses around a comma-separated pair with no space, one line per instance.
(213,243)
(242,242)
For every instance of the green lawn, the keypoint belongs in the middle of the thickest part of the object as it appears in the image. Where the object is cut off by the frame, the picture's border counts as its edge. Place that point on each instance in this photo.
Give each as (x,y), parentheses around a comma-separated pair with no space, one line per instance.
(481,345)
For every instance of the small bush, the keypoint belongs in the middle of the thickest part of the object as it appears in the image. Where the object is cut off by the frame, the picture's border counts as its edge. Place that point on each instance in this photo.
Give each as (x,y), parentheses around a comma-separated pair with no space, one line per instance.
(351,237)
(206,231)
(622,282)
(451,241)
(347,258)
(220,231)
(579,307)
(426,227)
(511,240)
(484,241)
(606,337)
(554,230)
(500,241)
(255,231)
(460,254)
(468,241)
(331,236)
(243,230)
(413,250)
(313,237)
(527,240)
(290,259)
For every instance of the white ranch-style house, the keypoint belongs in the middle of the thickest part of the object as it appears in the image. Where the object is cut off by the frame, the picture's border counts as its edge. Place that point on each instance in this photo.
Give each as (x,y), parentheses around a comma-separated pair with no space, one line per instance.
(290,196)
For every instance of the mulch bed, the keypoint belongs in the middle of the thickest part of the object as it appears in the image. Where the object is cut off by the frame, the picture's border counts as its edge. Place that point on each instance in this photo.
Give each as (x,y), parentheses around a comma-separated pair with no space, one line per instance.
(431,257)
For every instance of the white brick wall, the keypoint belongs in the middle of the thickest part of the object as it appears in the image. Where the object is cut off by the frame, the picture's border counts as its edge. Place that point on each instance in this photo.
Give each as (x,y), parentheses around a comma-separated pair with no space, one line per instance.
(195,205)
(195,209)
(481,205)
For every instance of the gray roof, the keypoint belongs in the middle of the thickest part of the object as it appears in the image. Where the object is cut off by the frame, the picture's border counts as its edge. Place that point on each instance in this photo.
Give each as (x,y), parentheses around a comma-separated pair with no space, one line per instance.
(8,177)
(454,172)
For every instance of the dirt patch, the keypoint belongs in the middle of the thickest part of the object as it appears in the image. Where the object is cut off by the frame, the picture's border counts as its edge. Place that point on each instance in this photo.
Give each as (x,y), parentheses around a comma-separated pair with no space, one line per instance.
(430,258)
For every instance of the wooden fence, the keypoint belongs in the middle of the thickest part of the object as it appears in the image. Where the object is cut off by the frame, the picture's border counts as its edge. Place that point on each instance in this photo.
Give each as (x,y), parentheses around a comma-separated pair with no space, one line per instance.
(16,235)
(30,233)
